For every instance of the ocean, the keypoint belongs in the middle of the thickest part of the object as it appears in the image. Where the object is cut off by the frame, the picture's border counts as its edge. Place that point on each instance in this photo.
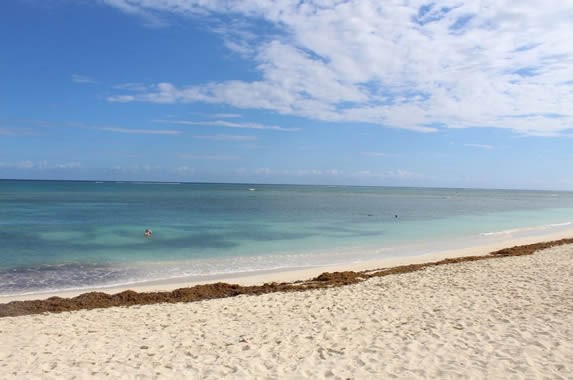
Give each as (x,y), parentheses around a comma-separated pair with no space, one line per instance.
(63,235)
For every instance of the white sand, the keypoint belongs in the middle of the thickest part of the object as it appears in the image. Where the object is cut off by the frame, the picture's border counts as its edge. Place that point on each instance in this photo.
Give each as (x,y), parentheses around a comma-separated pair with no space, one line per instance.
(492,319)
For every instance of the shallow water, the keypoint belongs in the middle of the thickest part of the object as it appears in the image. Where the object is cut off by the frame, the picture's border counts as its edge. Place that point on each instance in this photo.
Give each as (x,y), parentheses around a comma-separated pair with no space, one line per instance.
(58,235)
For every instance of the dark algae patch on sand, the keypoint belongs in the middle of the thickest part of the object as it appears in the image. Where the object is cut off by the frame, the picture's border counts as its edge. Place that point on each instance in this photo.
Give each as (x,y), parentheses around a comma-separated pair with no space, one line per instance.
(96,300)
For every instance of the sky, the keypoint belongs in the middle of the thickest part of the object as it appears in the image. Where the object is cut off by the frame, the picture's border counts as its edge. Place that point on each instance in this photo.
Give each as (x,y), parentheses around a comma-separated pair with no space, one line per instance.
(392,93)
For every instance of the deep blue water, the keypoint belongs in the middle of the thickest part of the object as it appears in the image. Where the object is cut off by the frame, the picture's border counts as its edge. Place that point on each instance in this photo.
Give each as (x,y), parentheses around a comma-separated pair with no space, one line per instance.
(63,235)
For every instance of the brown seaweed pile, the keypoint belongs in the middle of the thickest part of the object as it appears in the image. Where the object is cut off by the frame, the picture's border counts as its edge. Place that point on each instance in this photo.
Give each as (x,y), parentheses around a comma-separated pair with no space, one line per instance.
(96,300)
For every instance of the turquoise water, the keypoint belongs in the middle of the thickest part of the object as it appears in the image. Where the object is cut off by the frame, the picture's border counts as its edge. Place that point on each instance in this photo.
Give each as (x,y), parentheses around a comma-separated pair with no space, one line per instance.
(58,235)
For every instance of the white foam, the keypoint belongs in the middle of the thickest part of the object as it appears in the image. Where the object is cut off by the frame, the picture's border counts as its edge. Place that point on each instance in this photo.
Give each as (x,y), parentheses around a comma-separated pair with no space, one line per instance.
(156,183)
(561,224)
(526,229)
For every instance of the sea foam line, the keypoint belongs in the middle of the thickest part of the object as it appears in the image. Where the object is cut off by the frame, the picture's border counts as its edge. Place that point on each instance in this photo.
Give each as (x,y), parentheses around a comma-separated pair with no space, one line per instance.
(525,229)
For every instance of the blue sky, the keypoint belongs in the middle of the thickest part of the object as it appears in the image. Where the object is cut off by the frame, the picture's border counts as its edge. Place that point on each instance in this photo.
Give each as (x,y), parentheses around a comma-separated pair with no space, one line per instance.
(398,93)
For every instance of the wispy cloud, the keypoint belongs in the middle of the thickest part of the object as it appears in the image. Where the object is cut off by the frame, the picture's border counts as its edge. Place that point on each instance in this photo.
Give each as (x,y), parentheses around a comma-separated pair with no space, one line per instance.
(39,165)
(314,172)
(37,127)
(131,86)
(25,164)
(374,154)
(121,98)
(226,138)
(412,65)
(207,157)
(226,115)
(140,131)
(392,174)
(184,170)
(68,165)
(28,127)
(299,172)
(228,124)
(480,146)
(82,79)
(363,174)
(150,19)
(16,132)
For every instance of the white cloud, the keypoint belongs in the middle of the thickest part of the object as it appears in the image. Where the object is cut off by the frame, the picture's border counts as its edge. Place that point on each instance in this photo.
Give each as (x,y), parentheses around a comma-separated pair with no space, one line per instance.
(6,132)
(184,170)
(121,98)
(394,174)
(131,86)
(333,172)
(227,138)
(42,164)
(140,131)
(374,154)
(480,146)
(403,64)
(68,165)
(226,115)
(128,6)
(238,36)
(228,124)
(330,173)
(27,164)
(403,174)
(291,172)
(82,79)
(208,157)
(310,172)
(264,171)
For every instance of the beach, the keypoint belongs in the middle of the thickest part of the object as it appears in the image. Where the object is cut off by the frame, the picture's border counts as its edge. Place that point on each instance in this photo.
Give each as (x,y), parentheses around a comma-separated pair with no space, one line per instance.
(499,318)
(357,189)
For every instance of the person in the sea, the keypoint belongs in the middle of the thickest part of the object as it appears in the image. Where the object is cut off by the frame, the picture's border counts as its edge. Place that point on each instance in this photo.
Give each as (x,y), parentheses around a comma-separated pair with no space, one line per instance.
(147,233)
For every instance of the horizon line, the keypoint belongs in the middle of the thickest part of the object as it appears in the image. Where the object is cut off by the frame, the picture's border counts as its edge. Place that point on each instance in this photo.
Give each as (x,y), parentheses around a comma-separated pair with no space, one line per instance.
(280,184)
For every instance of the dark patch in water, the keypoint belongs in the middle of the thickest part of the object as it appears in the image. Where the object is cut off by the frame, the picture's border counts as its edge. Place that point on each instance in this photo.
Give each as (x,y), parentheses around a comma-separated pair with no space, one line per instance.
(346,231)
(68,275)
(263,234)
(197,240)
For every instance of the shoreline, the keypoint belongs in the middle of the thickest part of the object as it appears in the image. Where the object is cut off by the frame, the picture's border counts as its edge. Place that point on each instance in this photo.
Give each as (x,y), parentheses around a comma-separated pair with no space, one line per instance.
(335,277)
(497,318)
(297,274)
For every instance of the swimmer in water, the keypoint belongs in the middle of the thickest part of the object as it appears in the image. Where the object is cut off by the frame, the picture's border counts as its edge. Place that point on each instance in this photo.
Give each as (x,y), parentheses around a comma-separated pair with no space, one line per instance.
(147,233)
